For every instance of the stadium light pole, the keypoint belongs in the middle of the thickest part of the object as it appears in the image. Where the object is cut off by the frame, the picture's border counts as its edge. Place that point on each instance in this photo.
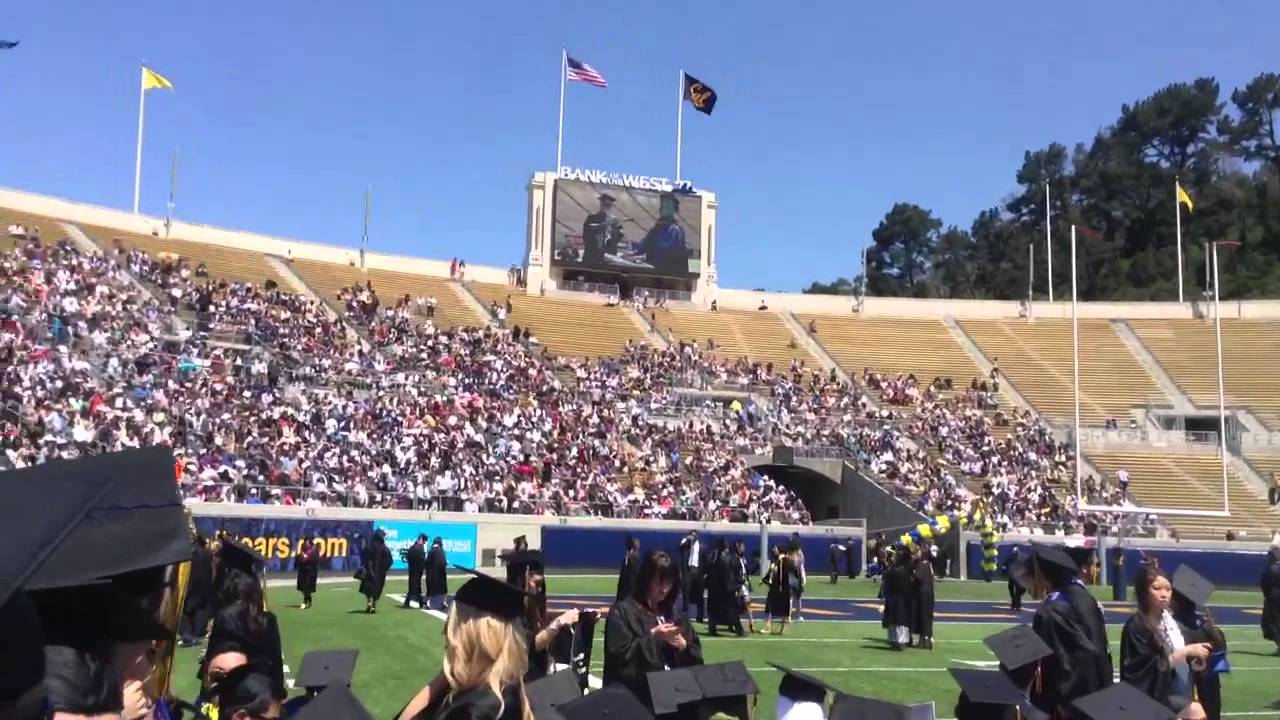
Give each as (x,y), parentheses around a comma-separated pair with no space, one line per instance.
(1222,396)
(173,189)
(1031,275)
(1048,239)
(679,121)
(364,235)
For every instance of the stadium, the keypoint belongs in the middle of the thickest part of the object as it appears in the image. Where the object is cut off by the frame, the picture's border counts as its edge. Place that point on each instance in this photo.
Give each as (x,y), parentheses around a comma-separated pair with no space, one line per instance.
(607,391)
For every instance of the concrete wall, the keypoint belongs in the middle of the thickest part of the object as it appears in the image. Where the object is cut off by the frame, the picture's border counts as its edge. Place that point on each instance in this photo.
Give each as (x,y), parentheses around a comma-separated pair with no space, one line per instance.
(538,248)
(865,499)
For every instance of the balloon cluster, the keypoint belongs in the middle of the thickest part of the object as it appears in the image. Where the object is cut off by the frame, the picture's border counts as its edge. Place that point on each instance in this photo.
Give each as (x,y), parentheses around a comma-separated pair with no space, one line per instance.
(941,524)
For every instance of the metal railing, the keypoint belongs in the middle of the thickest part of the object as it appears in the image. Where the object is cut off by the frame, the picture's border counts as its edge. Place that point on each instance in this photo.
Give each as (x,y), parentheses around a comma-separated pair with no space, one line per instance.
(1100,436)
(1256,441)
(593,288)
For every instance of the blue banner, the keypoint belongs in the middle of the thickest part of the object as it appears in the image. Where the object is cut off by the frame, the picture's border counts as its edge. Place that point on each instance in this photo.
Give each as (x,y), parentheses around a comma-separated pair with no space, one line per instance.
(459,540)
(278,539)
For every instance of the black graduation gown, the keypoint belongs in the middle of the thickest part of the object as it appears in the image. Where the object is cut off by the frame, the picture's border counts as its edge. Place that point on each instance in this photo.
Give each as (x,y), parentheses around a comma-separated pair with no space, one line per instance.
(416,558)
(1197,629)
(477,704)
(1070,622)
(308,566)
(778,602)
(437,581)
(627,576)
(1270,585)
(259,646)
(376,561)
(1144,664)
(833,559)
(630,652)
(897,597)
(922,608)
(722,591)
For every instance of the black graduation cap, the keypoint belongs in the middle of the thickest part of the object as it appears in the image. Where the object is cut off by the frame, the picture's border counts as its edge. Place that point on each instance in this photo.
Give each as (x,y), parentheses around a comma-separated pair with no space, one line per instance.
(491,595)
(520,540)
(725,687)
(96,517)
(322,668)
(613,702)
(853,707)
(1122,701)
(22,659)
(987,693)
(606,197)
(1079,554)
(1053,560)
(521,562)
(669,689)
(548,694)
(336,702)
(801,687)
(1017,646)
(1192,585)
(240,556)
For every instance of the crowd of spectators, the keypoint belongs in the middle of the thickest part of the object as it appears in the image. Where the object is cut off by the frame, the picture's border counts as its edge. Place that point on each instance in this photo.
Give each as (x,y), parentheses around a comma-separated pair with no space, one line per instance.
(268,396)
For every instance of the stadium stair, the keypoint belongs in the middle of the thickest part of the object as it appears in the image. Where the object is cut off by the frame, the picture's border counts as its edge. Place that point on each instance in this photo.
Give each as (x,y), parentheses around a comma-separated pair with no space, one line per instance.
(647,326)
(1181,403)
(1187,349)
(811,343)
(327,279)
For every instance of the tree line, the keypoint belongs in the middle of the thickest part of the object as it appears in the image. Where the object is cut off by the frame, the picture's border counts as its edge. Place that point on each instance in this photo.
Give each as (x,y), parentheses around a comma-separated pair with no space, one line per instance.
(1119,191)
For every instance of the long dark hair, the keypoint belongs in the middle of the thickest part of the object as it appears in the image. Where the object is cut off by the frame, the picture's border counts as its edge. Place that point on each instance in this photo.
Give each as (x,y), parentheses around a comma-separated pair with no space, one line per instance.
(243,592)
(656,566)
(1147,576)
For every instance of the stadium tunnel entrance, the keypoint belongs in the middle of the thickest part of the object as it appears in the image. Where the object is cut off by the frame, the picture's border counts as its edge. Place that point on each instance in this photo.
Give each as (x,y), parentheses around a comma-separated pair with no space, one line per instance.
(820,493)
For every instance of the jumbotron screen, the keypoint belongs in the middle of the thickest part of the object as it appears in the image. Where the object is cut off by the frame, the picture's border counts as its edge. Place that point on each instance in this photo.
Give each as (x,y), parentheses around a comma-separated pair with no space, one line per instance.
(626,230)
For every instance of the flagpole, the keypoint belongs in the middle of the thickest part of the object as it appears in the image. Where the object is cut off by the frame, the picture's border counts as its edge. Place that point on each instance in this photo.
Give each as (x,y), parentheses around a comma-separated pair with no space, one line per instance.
(679,121)
(1177,209)
(137,163)
(1075,358)
(1048,239)
(564,54)
(173,188)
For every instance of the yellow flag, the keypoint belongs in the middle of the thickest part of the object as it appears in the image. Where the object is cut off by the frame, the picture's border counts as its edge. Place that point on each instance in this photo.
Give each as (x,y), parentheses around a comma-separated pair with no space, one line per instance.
(1183,197)
(152,80)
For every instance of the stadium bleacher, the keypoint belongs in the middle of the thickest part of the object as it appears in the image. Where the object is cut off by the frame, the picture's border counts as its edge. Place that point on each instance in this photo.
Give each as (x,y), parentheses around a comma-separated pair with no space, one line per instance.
(1036,357)
(326,279)
(1191,481)
(1187,349)
(223,262)
(759,336)
(566,327)
(893,346)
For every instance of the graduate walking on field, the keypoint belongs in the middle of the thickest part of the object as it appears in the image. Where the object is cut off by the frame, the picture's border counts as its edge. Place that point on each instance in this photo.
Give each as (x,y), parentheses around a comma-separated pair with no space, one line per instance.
(922,582)
(416,559)
(307,565)
(437,576)
(897,591)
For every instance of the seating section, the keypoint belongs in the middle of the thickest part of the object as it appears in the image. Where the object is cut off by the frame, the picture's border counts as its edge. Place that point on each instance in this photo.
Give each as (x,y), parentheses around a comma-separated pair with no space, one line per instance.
(50,230)
(1036,357)
(1266,465)
(326,279)
(759,336)
(1191,482)
(566,327)
(893,346)
(223,263)
(1187,351)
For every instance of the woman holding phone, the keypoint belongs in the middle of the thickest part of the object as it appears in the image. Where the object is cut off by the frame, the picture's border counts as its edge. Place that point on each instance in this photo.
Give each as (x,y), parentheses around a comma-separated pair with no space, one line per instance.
(642,635)
(1154,657)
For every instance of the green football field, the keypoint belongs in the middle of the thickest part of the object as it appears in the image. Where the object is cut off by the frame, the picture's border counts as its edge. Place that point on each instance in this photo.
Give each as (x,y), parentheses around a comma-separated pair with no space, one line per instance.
(400,650)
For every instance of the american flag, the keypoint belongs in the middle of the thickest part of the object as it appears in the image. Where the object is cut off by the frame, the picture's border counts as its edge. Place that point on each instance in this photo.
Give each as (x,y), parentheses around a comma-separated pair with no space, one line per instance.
(582,72)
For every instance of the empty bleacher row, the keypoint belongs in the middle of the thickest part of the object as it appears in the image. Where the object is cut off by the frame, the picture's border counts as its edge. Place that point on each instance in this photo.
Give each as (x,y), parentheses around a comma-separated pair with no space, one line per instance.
(566,327)
(1037,358)
(894,346)
(759,336)
(1187,350)
(1191,482)
(327,279)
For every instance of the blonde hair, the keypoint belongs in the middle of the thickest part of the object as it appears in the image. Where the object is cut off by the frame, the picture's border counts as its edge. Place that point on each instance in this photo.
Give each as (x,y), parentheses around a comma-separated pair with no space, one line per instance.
(482,649)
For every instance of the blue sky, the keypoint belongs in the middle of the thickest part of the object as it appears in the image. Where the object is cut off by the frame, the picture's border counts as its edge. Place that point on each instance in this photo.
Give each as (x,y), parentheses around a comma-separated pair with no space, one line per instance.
(828,112)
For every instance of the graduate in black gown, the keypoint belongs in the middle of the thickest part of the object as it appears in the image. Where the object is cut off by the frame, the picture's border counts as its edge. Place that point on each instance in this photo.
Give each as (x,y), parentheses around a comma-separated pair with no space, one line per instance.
(416,559)
(922,607)
(1070,621)
(1270,585)
(436,576)
(375,561)
(777,601)
(642,633)
(242,620)
(484,648)
(1190,610)
(630,566)
(897,590)
(307,564)
(1154,657)
(195,606)
(526,571)
(723,583)
(1016,591)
